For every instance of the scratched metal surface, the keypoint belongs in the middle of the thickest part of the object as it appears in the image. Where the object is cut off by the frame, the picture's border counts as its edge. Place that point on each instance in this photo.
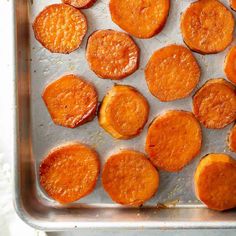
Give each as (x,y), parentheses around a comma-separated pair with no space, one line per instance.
(47,67)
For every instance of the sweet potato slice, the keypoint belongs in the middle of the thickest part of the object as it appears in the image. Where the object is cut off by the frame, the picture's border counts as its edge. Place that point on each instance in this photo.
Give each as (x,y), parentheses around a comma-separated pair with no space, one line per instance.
(130,178)
(172,73)
(233,4)
(69,172)
(207,26)
(230,65)
(142,19)
(112,54)
(80,3)
(71,101)
(124,112)
(173,140)
(60,28)
(232,139)
(215,181)
(214,104)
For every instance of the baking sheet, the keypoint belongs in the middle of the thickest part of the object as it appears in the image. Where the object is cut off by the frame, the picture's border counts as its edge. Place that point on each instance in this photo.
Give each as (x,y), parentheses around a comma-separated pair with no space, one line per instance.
(47,67)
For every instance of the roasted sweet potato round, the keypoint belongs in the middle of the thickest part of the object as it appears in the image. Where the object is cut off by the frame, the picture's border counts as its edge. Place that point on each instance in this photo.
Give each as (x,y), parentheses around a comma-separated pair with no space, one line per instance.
(173,140)
(230,65)
(207,26)
(130,178)
(80,3)
(60,28)
(69,172)
(70,101)
(124,112)
(172,73)
(112,54)
(214,104)
(142,19)
(232,139)
(233,4)
(215,181)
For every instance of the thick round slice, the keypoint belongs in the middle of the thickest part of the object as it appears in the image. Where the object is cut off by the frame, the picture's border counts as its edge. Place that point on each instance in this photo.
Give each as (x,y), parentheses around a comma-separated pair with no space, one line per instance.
(80,3)
(232,139)
(214,104)
(112,54)
(71,101)
(233,4)
(69,172)
(124,112)
(173,140)
(172,73)
(141,18)
(207,26)
(60,28)
(130,178)
(215,181)
(230,65)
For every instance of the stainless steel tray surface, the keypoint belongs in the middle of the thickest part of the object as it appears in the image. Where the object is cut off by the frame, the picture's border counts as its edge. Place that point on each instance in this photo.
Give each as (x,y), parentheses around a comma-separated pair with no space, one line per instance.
(36,134)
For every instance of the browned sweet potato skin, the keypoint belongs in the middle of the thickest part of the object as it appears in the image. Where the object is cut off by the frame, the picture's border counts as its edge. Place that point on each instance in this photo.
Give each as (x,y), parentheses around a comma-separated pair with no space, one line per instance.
(112,54)
(173,140)
(71,101)
(233,4)
(80,3)
(214,104)
(69,172)
(142,19)
(60,28)
(215,181)
(130,178)
(207,26)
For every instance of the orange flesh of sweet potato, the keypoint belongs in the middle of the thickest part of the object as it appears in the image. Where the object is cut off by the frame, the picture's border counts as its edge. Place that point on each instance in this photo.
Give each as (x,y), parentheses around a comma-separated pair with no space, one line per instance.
(230,65)
(172,73)
(207,26)
(215,181)
(214,104)
(232,139)
(130,178)
(124,112)
(80,3)
(233,4)
(69,172)
(71,101)
(112,54)
(60,28)
(140,18)
(173,140)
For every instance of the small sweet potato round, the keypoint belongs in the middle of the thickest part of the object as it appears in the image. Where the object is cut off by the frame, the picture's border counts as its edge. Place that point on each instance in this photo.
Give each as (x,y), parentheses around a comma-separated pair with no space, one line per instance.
(130,178)
(214,104)
(142,19)
(60,28)
(207,26)
(172,73)
(233,4)
(112,54)
(215,181)
(80,3)
(69,172)
(173,140)
(71,101)
(230,65)
(232,139)
(124,112)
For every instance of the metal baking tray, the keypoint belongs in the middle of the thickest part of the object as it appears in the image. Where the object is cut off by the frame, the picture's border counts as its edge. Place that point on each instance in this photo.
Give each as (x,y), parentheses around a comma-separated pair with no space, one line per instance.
(35,133)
